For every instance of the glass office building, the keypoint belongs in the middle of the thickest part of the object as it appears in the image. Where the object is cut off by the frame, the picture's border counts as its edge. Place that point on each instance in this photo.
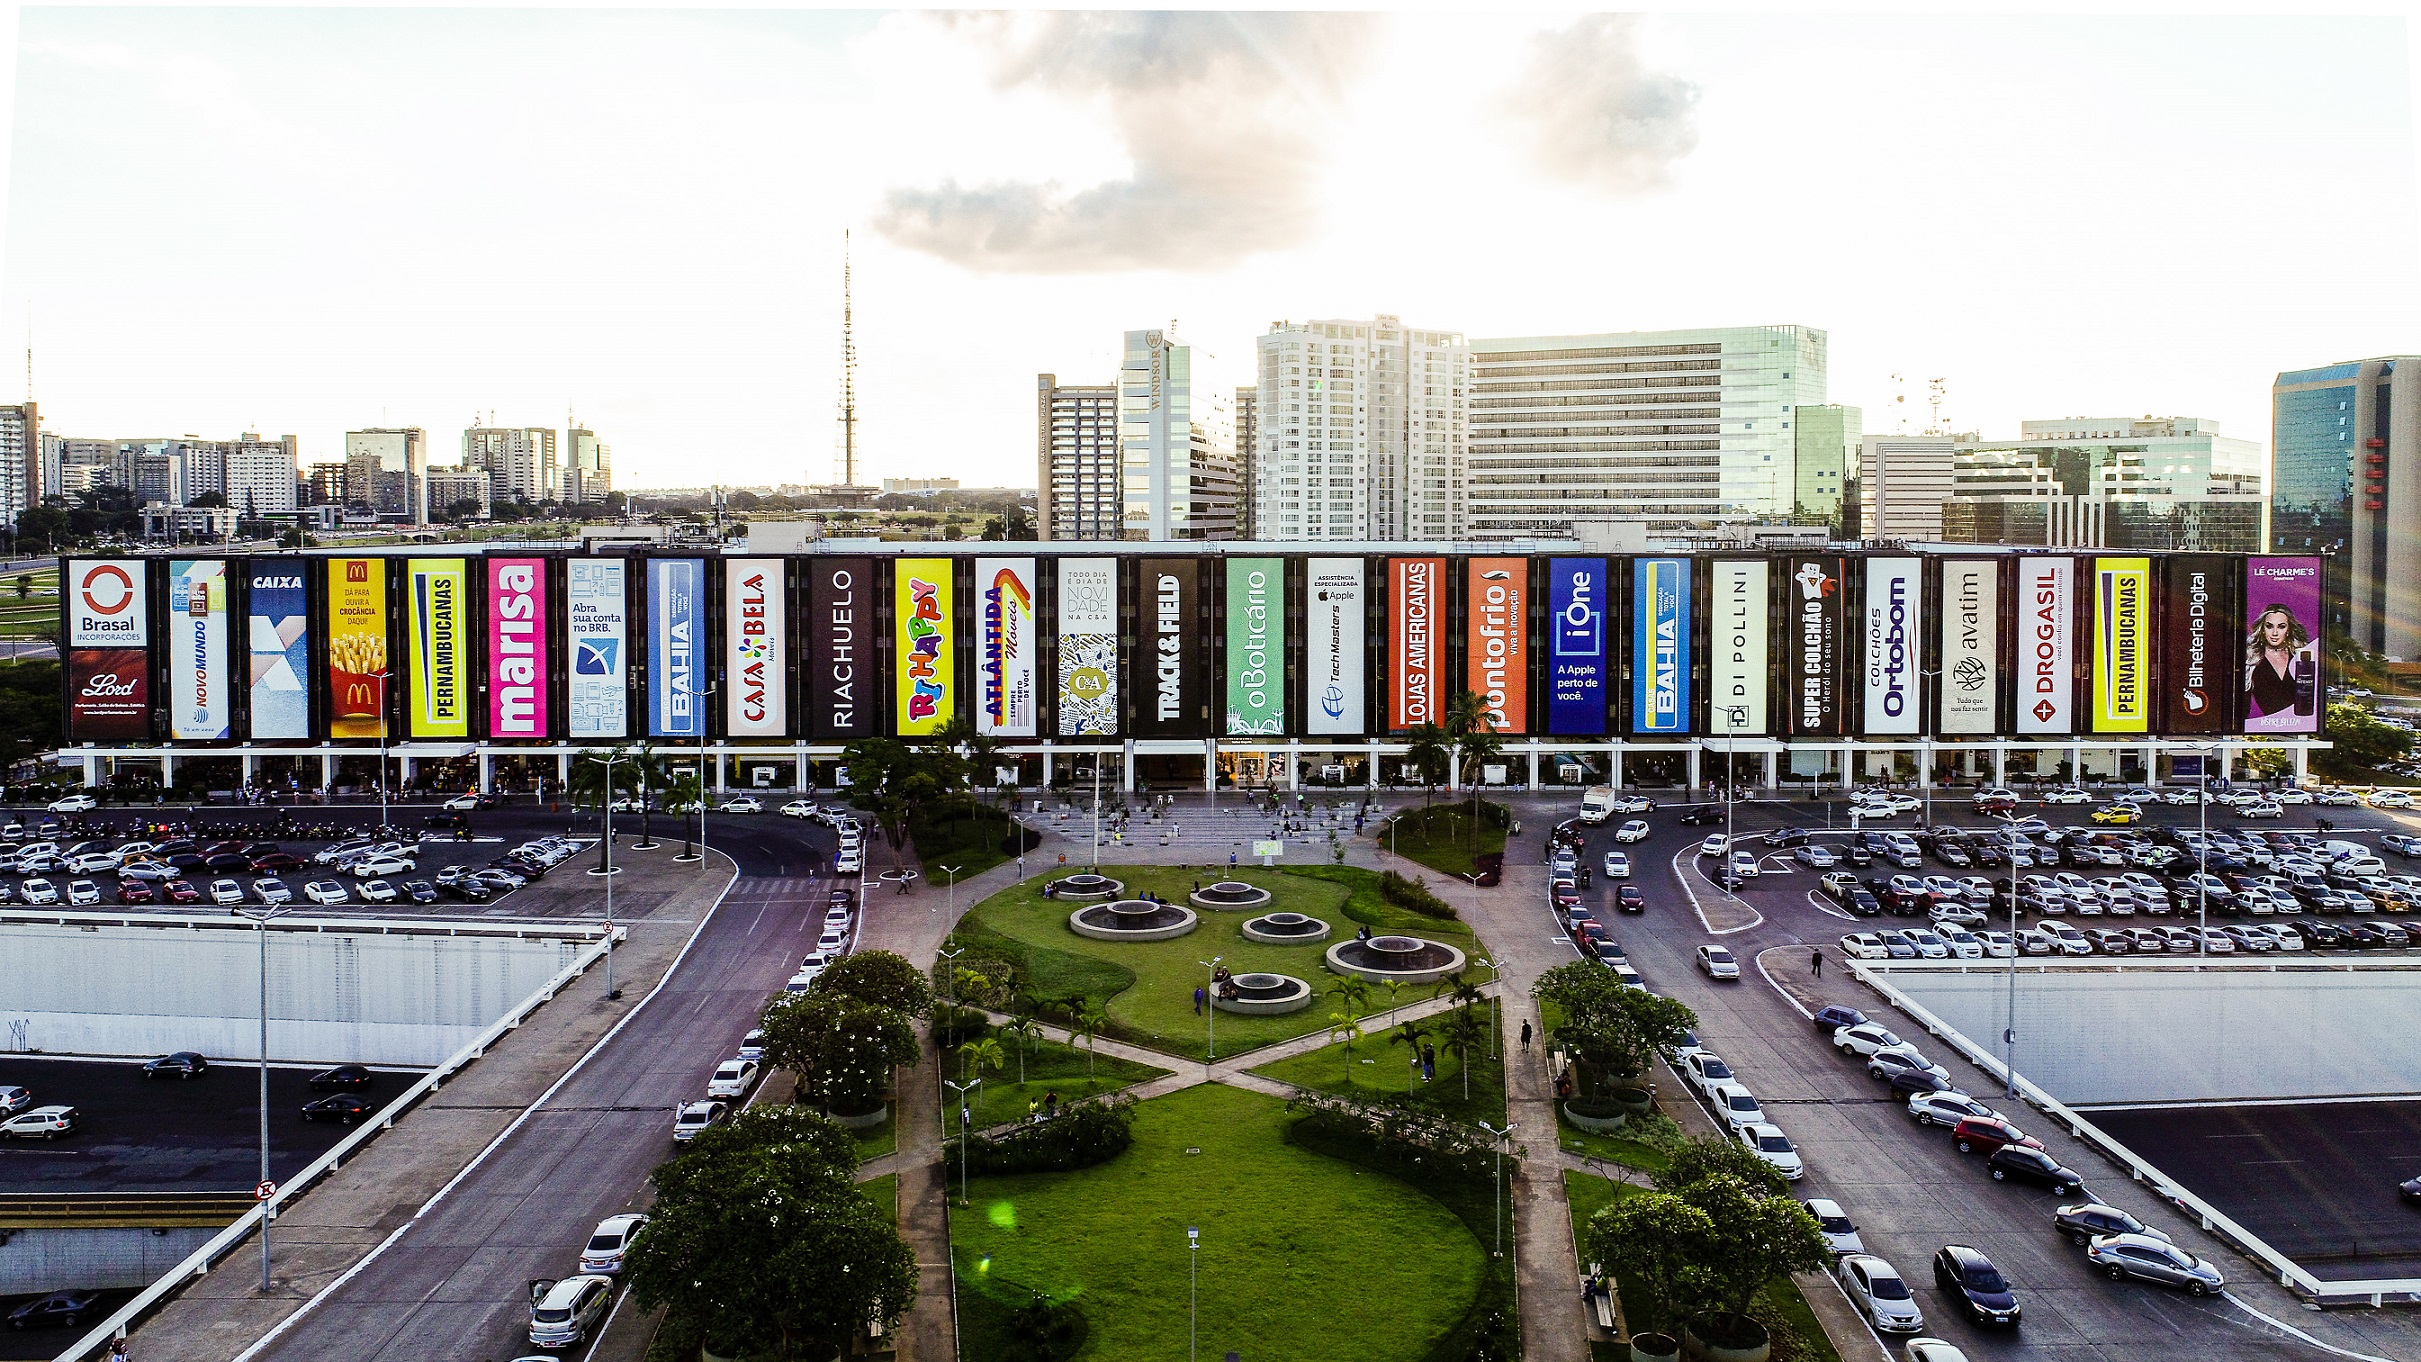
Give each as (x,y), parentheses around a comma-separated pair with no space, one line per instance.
(2342,447)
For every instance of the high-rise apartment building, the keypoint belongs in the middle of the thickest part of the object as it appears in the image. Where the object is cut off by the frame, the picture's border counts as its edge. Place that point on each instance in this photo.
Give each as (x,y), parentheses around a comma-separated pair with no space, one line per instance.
(1687,429)
(1826,444)
(588,466)
(258,476)
(521,461)
(20,460)
(386,470)
(1076,460)
(1359,432)
(2345,454)
(324,484)
(468,489)
(72,465)
(1176,445)
(2109,482)
(1902,482)
(1248,402)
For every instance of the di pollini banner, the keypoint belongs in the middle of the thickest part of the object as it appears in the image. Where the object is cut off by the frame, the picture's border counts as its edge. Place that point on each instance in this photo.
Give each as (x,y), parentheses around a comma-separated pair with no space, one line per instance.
(108,650)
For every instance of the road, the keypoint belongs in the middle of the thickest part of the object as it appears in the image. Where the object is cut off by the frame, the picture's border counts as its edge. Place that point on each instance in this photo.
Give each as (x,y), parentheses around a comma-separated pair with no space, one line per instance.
(453,1284)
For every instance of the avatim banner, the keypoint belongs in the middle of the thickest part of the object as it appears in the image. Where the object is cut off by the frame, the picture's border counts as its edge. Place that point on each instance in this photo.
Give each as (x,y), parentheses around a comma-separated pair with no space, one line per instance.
(1416,662)
(517,648)
(1496,649)
(2122,645)
(1334,601)
(1971,638)
(596,621)
(280,633)
(1088,648)
(1577,591)
(2046,665)
(756,648)
(1737,669)
(1660,633)
(1256,646)
(1894,608)
(198,706)
(1005,645)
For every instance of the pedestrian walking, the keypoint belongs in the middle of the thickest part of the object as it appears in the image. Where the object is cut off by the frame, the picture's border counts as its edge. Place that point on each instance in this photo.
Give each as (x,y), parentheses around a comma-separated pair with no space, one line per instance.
(1200,997)
(1428,1062)
(1815,961)
(1525,1033)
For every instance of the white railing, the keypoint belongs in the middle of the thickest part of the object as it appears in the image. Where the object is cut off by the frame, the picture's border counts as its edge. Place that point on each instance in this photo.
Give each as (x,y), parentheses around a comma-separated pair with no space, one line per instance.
(225,1242)
(2287,1272)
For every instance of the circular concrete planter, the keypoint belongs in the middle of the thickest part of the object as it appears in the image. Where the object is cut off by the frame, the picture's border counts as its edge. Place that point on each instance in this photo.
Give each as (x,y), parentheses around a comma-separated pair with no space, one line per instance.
(864,1120)
(1133,920)
(1086,888)
(1636,1101)
(1653,1347)
(1602,1124)
(1285,929)
(1403,959)
(1753,1344)
(1230,896)
(1266,995)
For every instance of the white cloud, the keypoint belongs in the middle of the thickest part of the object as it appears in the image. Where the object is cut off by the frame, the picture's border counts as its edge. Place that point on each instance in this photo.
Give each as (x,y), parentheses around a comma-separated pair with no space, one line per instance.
(1595,114)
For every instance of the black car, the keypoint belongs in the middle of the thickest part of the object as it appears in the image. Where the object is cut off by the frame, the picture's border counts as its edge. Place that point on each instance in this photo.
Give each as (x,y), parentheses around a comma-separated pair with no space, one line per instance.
(2012,1161)
(1699,815)
(1786,837)
(2410,1189)
(342,1078)
(1969,1278)
(1987,856)
(227,863)
(59,1307)
(344,1108)
(419,891)
(445,822)
(1860,903)
(467,889)
(1833,1016)
(182,1064)
(2088,1220)
(1906,1083)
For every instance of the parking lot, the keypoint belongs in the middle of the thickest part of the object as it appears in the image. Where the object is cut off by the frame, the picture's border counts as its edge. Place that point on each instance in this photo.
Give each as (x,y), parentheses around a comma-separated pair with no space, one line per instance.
(165,1135)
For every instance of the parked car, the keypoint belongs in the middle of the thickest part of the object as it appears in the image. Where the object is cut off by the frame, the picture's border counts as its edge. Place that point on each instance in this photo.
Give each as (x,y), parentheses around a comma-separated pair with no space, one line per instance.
(1706,1071)
(2121,1256)
(1834,1016)
(1945,1108)
(1770,1144)
(733,1079)
(1875,1288)
(2086,1221)
(610,1242)
(273,891)
(325,892)
(1865,1038)
(566,1310)
(696,1116)
(344,1108)
(1969,1278)
(1735,1106)
(2036,1166)
(181,1065)
(42,1123)
(1840,1234)
(1988,1133)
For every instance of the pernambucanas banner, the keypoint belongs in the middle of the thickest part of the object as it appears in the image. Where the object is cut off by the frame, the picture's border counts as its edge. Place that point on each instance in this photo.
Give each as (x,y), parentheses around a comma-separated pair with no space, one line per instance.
(2122,645)
(437,633)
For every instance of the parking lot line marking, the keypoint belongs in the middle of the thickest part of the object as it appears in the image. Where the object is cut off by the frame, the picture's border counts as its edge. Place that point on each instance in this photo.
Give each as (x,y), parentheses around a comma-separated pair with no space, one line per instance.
(2285,1328)
(1778,988)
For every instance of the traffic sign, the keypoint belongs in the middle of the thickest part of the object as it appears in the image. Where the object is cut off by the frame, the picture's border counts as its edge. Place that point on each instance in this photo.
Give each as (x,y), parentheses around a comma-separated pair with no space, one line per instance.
(264,1191)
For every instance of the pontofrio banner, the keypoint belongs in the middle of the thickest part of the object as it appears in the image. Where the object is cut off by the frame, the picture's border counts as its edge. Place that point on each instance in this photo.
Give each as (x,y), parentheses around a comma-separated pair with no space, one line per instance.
(1005,645)
(1333,641)
(1971,646)
(198,703)
(1496,643)
(2122,645)
(1738,677)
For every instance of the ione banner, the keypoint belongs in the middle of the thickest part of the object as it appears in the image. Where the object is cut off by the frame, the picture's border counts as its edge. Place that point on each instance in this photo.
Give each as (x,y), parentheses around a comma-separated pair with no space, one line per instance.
(1577,665)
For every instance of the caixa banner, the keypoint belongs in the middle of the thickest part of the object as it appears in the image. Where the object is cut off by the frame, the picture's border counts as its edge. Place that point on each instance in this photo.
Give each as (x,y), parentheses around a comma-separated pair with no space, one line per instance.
(108,650)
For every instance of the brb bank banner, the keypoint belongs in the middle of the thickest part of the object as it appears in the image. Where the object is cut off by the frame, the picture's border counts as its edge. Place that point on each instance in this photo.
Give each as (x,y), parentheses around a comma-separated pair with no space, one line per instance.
(596,620)
(517,648)
(108,651)
(1660,661)
(1576,646)
(1894,596)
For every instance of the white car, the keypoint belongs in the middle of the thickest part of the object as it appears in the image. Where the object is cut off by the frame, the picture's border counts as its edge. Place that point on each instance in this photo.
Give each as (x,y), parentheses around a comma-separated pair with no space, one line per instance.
(224,893)
(75,804)
(1864,1039)
(1770,1144)
(697,1116)
(833,939)
(1964,944)
(461,803)
(2260,808)
(1706,1071)
(2293,796)
(1735,1106)
(1718,963)
(610,1241)
(752,1045)
(1929,946)
(569,1309)
(803,980)
(273,891)
(1635,830)
(1998,945)
(324,892)
(743,804)
(1864,946)
(733,1079)
(39,891)
(1874,1286)
(372,867)
(2067,794)
(1715,845)
(2391,799)
(1932,1350)
(799,808)
(83,893)
(1617,866)
(376,891)
(847,863)
(1839,1233)
(1631,804)
(1744,864)
(1944,1108)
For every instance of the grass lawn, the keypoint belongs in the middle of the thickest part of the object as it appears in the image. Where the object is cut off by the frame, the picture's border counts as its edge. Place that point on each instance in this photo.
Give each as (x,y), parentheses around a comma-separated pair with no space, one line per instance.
(1148,987)
(970,840)
(872,1144)
(1612,1148)
(1780,1301)
(883,1192)
(1378,1071)
(1443,838)
(1302,1257)
(1049,1067)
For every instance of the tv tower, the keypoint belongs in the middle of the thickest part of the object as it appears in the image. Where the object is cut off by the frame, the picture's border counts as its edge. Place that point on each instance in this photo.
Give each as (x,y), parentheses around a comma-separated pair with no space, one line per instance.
(848,376)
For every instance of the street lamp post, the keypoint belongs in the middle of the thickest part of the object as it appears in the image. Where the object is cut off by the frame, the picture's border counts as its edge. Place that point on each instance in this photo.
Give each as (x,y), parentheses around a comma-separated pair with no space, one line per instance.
(609,872)
(260,923)
(962,1089)
(1193,1297)
(952,872)
(702,697)
(1496,1018)
(1096,811)
(2009,1032)
(1501,1137)
(1732,719)
(1210,1000)
(2202,846)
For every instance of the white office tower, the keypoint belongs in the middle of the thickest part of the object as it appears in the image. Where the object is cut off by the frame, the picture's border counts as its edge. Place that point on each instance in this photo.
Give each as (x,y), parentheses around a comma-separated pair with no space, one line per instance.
(1359,432)
(1682,429)
(520,461)
(256,475)
(387,471)
(1176,448)
(1903,482)
(588,466)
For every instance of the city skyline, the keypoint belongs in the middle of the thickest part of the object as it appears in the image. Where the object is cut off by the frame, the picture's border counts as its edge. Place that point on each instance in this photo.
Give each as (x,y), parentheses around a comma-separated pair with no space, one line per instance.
(667,260)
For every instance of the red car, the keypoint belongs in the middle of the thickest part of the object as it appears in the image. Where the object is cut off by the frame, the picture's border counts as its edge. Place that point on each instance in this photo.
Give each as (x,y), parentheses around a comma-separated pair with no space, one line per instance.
(1985,1134)
(134,891)
(1630,899)
(276,861)
(179,891)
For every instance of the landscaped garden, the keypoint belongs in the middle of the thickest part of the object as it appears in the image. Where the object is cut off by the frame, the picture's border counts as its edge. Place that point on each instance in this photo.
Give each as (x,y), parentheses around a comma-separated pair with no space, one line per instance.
(1383,1065)
(1021,1070)
(1304,1255)
(1018,953)
(1446,837)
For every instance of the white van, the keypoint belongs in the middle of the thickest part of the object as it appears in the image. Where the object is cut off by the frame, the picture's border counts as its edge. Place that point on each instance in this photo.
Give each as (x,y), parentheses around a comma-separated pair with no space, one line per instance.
(1597,804)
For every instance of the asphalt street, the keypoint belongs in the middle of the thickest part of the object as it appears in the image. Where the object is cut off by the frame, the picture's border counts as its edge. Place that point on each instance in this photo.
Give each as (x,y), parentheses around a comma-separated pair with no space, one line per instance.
(138,1135)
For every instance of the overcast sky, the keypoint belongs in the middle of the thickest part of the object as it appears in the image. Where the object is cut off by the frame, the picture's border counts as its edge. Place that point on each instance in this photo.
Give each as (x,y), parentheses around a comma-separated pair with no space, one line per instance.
(308,220)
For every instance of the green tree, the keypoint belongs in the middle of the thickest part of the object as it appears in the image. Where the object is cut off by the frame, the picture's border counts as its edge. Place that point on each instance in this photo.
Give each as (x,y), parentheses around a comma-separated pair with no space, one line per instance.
(1465,1031)
(1760,1237)
(2363,744)
(1409,1034)
(1651,1243)
(761,1242)
(1427,753)
(1025,1030)
(25,585)
(979,1054)
(842,1049)
(883,978)
(1473,728)
(1091,1021)
(887,778)
(1615,1029)
(685,790)
(1710,1157)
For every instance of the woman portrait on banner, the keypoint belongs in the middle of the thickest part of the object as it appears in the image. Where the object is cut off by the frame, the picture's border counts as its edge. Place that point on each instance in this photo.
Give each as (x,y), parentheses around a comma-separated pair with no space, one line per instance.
(2281,671)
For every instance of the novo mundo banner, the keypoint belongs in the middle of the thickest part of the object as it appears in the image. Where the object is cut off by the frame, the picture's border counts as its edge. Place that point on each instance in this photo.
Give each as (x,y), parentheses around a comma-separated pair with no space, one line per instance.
(199,706)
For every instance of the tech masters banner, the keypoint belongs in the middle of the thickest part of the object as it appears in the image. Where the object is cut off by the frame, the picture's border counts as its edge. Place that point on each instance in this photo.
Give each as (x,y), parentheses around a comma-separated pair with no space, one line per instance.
(1172,652)
(1416,663)
(676,622)
(1577,589)
(925,671)
(1256,648)
(843,701)
(2122,645)
(357,648)
(2046,670)
(1894,607)
(1496,652)
(198,703)
(1813,686)
(1971,639)
(1660,645)
(1333,606)
(1005,645)
(437,634)
(756,658)
(280,634)
(1737,673)
(596,618)
(2198,631)
(1088,647)
(517,651)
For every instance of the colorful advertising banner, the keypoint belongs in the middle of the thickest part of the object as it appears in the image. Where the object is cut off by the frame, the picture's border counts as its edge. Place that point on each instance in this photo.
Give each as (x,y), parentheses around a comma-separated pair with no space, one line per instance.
(596,619)
(1660,645)
(517,648)
(1174,650)
(1895,595)
(437,634)
(1971,646)
(198,707)
(1088,647)
(357,648)
(1496,650)
(1738,677)
(2198,633)
(1814,686)
(280,634)
(1334,601)
(2046,666)
(1005,644)
(1416,660)
(2122,645)
(2282,645)
(1577,589)
(926,672)
(108,658)
(1256,645)
(756,657)
(676,625)
(840,649)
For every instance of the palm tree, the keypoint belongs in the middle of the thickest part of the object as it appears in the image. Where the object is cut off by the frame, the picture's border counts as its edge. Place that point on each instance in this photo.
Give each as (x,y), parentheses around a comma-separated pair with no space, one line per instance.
(1427,752)
(981,1053)
(1345,1025)
(1461,988)
(649,769)
(1464,1031)
(685,787)
(1473,728)
(1026,1030)
(1091,1021)
(1409,1034)
(978,749)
